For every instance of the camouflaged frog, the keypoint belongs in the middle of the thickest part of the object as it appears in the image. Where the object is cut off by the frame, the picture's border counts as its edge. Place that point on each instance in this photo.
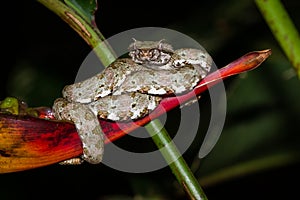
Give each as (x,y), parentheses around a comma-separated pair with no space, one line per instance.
(129,88)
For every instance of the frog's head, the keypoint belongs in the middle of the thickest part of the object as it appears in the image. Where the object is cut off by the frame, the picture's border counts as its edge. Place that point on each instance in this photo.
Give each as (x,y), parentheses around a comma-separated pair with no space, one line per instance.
(150,53)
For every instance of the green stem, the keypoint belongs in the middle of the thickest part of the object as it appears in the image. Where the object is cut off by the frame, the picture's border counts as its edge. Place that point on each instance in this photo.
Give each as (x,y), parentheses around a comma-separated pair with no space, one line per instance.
(93,37)
(174,159)
(87,31)
(283,29)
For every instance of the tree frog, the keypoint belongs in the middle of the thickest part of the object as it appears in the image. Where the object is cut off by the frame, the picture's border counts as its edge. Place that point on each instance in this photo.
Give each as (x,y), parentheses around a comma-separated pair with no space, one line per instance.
(129,88)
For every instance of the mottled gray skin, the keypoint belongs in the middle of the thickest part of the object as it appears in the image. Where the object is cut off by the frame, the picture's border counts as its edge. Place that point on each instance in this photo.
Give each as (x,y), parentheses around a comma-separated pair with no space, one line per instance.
(129,89)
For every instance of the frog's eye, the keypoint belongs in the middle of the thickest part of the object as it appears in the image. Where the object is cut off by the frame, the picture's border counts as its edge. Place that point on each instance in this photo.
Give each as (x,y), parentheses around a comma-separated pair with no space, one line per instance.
(154,54)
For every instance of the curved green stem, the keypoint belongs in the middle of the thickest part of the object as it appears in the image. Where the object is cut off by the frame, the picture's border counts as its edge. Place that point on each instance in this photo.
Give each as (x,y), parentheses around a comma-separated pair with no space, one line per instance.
(93,37)
(283,29)
(87,31)
(173,157)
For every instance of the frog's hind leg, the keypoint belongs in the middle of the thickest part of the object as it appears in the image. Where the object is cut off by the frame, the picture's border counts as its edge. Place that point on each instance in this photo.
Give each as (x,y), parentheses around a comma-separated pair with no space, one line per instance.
(87,126)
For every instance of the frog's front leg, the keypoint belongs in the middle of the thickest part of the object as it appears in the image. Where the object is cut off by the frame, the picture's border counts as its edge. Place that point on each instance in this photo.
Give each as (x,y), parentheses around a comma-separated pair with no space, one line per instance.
(87,125)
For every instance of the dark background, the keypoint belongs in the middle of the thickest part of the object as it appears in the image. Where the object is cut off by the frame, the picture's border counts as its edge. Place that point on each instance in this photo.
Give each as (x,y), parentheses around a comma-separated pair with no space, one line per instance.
(41,54)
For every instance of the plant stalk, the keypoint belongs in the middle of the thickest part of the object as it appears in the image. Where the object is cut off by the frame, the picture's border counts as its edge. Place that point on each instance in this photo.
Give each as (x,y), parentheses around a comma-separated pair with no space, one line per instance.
(283,29)
(175,160)
(87,31)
